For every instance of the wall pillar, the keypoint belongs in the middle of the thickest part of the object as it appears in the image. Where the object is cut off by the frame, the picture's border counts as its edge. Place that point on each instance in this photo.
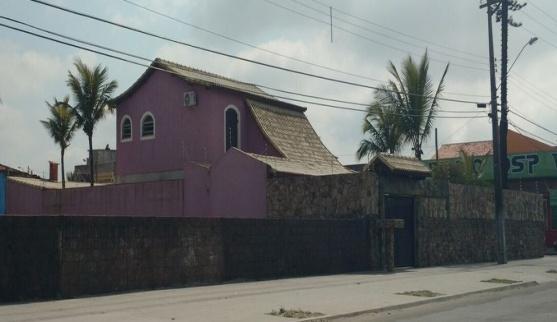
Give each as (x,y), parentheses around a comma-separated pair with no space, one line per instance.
(3,188)
(388,228)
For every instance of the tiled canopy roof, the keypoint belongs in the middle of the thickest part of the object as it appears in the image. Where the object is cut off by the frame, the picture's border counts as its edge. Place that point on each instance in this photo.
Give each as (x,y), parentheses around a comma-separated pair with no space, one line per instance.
(293,136)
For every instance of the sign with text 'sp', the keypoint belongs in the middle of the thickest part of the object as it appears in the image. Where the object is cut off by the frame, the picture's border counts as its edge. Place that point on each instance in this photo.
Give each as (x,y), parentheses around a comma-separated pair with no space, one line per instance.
(521,166)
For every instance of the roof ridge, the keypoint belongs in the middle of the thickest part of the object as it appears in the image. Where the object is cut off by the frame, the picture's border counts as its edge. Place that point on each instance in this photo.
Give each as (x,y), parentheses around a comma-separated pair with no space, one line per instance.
(168,62)
(403,157)
(470,142)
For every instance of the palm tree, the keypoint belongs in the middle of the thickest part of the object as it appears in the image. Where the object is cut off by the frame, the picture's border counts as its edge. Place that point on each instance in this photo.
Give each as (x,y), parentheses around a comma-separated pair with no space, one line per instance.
(382,125)
(416,99)
(61,126)
(92,93)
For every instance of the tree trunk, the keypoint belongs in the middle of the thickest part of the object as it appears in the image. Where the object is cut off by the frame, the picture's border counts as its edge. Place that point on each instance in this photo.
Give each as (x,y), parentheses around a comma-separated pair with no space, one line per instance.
(63,175)
(91,161)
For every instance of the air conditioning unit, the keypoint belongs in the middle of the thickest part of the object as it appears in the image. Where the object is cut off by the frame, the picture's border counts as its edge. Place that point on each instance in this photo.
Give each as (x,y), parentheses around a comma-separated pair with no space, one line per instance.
(190,99)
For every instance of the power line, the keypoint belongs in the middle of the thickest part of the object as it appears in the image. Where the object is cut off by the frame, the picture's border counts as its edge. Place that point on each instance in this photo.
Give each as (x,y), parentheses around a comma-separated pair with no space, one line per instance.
(541,38)
(177,74)
(294,71)
(533,96)
(475,61)
(365,37)
(534,87)
(150,60)
(532,122)
(539,23)
(520,129)
(223,36)
(399,32)
(542,11)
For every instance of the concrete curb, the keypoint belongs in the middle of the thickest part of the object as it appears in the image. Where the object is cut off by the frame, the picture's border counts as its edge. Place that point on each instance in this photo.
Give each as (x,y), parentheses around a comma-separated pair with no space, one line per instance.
(327,318)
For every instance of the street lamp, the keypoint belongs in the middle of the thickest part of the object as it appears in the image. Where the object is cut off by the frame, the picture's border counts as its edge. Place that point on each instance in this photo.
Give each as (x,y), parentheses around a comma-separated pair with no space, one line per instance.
(529,43)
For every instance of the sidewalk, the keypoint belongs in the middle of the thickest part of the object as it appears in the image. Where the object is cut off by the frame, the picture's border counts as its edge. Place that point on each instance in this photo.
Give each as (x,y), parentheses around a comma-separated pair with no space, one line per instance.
(246,302)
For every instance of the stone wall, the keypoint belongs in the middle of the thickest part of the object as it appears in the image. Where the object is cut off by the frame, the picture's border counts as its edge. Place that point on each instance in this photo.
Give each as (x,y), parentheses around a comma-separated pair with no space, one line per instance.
(460,229)
(47,257)
(454,224)
(336,196)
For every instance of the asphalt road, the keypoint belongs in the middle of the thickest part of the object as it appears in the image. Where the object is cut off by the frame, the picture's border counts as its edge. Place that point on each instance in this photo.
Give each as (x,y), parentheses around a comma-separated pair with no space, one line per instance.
(533,304)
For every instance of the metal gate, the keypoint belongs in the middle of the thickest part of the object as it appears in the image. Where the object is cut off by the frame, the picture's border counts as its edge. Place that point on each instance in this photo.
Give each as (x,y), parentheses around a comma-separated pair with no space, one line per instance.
(405,243)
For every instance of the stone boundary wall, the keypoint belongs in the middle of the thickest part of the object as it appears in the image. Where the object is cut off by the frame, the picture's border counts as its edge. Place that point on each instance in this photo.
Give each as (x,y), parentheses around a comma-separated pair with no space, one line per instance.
(454,224)
(44,257)
(319,197)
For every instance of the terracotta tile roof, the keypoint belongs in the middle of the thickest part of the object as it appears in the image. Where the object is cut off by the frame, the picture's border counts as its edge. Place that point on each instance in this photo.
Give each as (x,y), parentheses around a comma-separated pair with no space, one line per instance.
(450,151)
(401,164)
(293,136)
(516,143)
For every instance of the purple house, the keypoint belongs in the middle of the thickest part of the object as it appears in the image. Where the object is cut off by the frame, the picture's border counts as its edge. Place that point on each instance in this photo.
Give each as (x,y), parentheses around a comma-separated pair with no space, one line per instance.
(222,137)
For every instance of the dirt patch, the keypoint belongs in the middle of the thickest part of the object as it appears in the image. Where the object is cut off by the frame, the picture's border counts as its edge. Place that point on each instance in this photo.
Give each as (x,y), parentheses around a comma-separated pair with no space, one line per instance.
(421,293)
(501,281)
(295,314)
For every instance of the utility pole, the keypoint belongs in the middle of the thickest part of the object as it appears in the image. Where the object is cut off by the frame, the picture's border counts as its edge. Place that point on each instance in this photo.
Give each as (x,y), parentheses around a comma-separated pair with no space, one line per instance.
(498,183)
(504,106)
(436,147)
(497,175)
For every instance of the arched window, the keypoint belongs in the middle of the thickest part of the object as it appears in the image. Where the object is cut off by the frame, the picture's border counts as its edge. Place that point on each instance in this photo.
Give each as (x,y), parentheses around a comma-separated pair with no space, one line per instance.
(231,127)
(147,126)
(126,129)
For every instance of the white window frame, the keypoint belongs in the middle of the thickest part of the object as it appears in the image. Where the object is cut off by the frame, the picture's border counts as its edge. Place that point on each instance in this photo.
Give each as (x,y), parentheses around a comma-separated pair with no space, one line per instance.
(239,125)
(149,137)
(124,118)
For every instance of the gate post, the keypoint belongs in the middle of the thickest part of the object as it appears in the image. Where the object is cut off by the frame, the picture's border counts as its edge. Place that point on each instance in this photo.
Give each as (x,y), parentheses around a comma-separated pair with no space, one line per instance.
(388,227)
(3,189)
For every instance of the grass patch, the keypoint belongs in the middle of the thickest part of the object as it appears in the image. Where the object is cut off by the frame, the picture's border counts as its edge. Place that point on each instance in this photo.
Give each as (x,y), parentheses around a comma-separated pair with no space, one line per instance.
(501,281)
(552,271)
(295,314)
(421,293)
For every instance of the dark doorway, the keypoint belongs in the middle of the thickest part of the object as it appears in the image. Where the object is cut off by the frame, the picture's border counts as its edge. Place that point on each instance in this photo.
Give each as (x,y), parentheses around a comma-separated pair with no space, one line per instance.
(402,208)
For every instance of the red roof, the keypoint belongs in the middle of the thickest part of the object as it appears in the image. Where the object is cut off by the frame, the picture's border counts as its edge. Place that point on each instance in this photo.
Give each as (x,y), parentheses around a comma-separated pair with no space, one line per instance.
(516,143)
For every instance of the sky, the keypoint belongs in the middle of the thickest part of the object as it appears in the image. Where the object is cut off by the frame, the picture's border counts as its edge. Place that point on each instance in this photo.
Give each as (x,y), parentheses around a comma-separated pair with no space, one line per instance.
(374,32)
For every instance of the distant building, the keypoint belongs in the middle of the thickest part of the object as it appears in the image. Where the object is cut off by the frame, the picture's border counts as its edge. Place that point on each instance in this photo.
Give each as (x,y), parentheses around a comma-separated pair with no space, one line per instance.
(104,165)
(533,168)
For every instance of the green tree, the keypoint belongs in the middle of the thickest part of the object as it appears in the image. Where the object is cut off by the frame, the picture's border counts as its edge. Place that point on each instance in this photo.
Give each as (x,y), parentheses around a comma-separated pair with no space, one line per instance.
(61,126)
(416,99)
(92,93)
(382,127)
(461,170)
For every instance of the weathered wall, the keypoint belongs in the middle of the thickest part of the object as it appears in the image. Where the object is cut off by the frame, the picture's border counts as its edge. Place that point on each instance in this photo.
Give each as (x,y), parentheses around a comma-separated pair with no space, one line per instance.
(461,228)
(454,224)
(161,198)
(336,196)
(44,257)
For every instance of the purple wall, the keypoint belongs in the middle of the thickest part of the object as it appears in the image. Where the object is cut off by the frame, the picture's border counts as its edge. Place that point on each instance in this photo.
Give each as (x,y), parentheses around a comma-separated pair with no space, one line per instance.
(182,133)
(234,186)
(238,186)
(161,198)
